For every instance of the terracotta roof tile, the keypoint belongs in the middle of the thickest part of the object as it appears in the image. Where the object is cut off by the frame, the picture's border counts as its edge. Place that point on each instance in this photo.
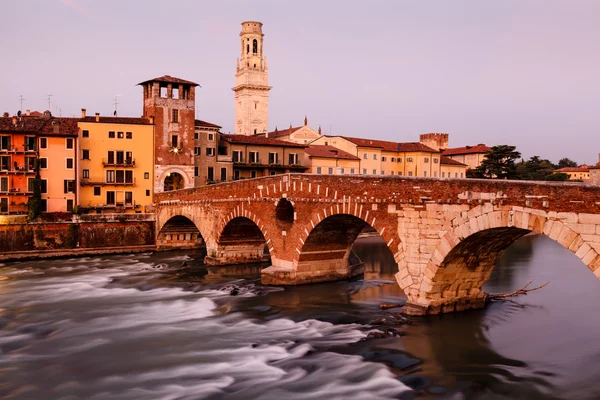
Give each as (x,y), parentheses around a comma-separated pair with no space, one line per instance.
(323,151)
(280,133)
(22,124)
(479,149)
(117,120)
(390,146)
(169,79)
(258,140)
(66,126)
(199,122)
(573,169)
(448,161)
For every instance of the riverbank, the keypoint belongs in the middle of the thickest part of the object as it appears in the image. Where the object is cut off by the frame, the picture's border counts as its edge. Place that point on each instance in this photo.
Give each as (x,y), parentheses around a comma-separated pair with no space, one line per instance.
(75,252)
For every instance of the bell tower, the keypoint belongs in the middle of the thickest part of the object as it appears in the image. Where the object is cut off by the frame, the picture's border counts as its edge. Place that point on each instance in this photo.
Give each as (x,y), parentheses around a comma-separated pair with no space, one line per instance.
(251,82)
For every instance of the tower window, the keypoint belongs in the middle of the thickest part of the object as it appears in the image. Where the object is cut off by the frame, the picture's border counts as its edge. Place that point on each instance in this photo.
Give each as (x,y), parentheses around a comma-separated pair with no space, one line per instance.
(174,141)
(255,47)
(175,93)
(163,92)
(247,49)
(175,115)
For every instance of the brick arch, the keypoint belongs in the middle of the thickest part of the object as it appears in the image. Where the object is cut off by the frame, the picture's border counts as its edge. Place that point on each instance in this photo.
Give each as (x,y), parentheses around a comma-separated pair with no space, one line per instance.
(179,232)
(166,214)
(466,255)
(240,212)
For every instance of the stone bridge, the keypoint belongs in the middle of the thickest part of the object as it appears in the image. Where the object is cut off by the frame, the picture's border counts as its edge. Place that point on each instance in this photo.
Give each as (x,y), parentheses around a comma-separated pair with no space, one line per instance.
(445,234)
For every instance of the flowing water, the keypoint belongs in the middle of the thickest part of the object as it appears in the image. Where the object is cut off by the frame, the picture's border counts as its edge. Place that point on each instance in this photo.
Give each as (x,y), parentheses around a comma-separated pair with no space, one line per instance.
(162,326)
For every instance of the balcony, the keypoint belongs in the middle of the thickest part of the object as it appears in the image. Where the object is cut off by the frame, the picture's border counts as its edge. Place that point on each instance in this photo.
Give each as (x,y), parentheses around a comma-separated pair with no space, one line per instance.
(224,158)
(128,162)
(89,182)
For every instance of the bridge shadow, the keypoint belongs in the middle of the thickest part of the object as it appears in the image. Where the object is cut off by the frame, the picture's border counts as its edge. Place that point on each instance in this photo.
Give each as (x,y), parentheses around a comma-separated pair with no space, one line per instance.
(180,232)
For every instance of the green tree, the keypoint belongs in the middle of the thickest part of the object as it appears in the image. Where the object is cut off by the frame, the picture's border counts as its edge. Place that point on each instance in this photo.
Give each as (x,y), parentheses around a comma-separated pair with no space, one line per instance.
(565,162)
(534,169)
(558,176)
(34,204)
(499,163)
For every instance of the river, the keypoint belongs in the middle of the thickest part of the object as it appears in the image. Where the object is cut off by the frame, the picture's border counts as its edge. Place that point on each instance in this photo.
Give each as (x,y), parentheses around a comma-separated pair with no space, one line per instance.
(162,326)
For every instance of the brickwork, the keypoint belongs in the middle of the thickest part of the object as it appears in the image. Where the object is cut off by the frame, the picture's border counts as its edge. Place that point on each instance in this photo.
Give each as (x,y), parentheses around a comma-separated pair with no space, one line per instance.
(445,234)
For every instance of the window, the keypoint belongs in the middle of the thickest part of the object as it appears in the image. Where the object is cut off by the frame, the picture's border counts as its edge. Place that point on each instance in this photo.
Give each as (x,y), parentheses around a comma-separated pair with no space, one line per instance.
(364,156)
(224,174)
(255,129)
(364,171)
(120,176)
(461,175)
(120,135)
(5,163)
(351,170)
(399,159)
(175,93)
(120,157)
(96,190)
(196,171)
(197,150)
(110,176)
(44,186)
(383,158)
(85,154)
(392,173)
(128,135)
(30,163)
(175,115)
(69,205)
(253,174)
(435,174)
(374,156)
(409,173)
(128,198)
(374,172)
(236,175)
(393,159)
(110,198)
(293,159)
(210,151)
(237,156)
(425,174)
(253,155)
(146,175)
(4,184)
(69,143)
(5,142)
(111,157)
(85,174)
(273,158)
(426,159)
(408,159)
(4,204)
(382,172)
(44,205)
(456,174)
(30,143)
(342,171)
(330,171)
(69,163)
(318,170)
(443,174)
(195,135)
(272,173)
(147,192)
(211,174)
(211,137)
(436,160)
(174,141)
(111,134)
(85,133)
(69,186)
(399,173)
(129,176)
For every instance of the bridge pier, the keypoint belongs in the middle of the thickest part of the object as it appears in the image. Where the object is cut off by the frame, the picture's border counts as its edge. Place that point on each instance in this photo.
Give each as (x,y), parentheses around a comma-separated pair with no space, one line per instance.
(241,242)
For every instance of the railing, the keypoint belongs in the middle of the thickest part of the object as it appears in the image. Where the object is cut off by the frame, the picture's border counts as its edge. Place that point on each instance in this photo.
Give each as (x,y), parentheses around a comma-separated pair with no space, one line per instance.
(128,162)
(89,182)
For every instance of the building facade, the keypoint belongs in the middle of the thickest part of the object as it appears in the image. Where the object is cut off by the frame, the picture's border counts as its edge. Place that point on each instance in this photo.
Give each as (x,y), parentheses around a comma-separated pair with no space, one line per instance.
(472,156)
(251,83)
(169,104)
(213,164)
(575,173)
(321,159)
(116,163)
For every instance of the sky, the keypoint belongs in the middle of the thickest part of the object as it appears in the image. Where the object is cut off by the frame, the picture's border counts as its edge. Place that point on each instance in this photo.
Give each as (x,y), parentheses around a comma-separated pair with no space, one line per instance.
(517,72)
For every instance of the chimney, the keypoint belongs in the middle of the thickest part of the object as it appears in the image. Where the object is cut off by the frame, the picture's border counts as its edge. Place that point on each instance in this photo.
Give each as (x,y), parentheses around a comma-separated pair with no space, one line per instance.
(267,135)
(151,120)
(14,120)
(83,113)
(27,112)
(97,117)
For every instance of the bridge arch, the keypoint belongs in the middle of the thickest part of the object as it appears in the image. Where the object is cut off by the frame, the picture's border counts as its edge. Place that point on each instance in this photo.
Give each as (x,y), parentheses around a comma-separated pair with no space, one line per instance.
(325,253)
(179,232)
(240,240)
(467,254)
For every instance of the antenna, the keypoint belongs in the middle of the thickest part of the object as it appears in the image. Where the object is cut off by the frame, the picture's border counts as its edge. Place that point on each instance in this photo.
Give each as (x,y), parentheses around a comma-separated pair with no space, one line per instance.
(116,104)
(49,101)
(21,99)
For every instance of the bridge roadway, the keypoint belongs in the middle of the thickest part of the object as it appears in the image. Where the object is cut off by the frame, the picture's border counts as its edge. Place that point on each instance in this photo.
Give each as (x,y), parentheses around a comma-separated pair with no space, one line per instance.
(445,234)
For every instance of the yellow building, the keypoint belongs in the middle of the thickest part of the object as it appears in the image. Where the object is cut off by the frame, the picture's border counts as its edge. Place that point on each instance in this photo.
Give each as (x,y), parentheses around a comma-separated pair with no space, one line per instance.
(472,156)
(328,160)
(116,163)
(380,157)
(57,144)
(575,173)
(300,134)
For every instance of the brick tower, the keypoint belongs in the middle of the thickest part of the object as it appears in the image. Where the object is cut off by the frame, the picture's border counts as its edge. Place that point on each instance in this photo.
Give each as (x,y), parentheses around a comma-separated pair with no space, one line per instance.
(170,103)
(251,83)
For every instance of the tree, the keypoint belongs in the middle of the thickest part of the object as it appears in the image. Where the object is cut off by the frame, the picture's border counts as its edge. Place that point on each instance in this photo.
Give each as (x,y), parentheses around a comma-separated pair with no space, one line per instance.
(34,205)
(534,169)
(499,163)
(558,176)
(565,162)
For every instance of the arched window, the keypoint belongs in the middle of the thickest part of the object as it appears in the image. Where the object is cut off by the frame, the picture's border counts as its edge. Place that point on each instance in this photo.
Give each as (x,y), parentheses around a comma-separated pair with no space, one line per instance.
(255,46)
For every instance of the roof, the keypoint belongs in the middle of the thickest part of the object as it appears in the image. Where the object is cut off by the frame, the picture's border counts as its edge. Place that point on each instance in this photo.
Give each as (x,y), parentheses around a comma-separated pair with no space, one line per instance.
(323,151)
(22,124)
(448,161)
(258,140)
(390,146)
(117,120)
(67,126)
(479,149)
(169,79)
(199,122)
(573,169)
(278,133)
